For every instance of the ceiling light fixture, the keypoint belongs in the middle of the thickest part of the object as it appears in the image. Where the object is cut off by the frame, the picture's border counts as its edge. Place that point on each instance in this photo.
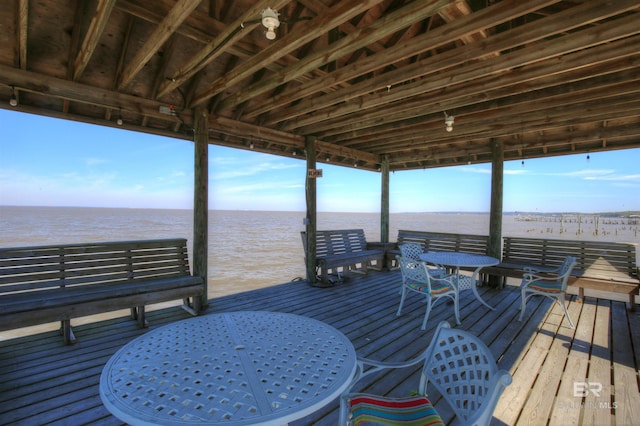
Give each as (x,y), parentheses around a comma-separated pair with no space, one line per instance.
(13,100)
(119,121)
(271,22)
(448,121)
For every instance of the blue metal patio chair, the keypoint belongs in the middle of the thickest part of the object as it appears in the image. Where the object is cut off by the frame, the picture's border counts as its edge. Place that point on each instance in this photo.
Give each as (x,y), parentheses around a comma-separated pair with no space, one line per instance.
(416,278)
(548,283)
(413,251)
(457,364)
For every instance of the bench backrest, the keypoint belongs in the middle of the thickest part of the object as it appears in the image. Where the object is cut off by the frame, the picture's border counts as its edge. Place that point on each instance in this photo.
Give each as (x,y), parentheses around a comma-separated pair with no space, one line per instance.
(42,267)
(594,258)
(440,241)
(337,241)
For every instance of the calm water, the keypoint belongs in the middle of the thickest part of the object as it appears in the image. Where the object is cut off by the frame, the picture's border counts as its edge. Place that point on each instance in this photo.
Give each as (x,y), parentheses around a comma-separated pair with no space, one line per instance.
(254,249)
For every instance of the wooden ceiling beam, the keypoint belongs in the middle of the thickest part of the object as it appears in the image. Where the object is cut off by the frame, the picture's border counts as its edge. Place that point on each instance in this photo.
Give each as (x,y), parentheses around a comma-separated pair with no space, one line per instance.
(22,29)
(97,25)
(575,139)
(594,79)
(180,11)
(202,29)
(362,37)
(341,12)
(319,9)
(457,11)
(575,115)
(435,67)
(237,30)
(259,133)
(602,88)
(198,27)
(78,92)
(434,38)
(458,90)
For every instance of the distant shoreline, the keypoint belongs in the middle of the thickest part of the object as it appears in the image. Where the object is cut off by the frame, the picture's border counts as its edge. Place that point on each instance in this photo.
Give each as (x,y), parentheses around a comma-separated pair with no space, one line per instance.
(630,213)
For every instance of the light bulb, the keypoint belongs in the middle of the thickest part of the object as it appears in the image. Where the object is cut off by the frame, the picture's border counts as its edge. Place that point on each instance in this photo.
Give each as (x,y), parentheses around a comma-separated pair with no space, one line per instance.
(448,121)
(13,101)
(271,22)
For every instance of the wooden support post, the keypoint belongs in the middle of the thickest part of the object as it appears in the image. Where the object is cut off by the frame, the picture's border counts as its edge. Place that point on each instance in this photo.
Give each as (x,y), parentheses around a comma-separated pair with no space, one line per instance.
(495,215)
(201,199)
(311,218)
(384,201)
(384,206)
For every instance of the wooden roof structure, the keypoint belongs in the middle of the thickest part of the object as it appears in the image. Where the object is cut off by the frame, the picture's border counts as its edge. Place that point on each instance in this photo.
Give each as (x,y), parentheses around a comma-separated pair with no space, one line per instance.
(367,79)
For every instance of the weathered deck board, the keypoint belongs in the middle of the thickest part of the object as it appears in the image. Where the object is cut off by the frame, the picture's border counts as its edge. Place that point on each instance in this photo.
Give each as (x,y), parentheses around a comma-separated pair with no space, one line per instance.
(44,381)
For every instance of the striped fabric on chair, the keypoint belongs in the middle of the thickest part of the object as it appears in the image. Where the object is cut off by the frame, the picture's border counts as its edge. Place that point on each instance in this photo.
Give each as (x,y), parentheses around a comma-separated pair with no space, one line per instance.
(550,287)
(436,287)
(375,410)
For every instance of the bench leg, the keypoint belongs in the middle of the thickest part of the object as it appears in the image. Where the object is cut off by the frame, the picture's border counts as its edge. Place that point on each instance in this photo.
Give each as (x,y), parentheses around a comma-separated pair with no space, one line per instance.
(632,302)
(67,332)
(580,295)
(193,306)
(138,314)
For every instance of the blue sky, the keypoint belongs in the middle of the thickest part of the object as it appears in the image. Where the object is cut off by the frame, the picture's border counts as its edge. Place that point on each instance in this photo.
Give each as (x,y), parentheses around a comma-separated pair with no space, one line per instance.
(50,162)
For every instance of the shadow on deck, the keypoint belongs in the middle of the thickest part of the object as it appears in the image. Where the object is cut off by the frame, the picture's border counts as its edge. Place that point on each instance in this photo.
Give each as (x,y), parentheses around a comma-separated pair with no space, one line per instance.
(43,381)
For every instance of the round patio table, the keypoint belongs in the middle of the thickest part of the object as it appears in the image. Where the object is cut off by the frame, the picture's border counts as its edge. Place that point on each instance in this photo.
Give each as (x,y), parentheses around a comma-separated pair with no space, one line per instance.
(237,368)
(456,260)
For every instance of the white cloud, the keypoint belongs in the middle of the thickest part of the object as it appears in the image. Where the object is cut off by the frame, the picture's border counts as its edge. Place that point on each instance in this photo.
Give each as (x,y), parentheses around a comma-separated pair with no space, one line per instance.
(624,178)
(227,169)
(94,161)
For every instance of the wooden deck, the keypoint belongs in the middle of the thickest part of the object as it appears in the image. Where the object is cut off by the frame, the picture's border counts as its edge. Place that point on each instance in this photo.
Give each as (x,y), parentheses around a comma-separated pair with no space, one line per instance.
(44,382)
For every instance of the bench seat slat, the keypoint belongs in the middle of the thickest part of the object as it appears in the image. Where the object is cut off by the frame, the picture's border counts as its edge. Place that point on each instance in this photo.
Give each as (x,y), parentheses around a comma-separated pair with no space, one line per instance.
(68,295)
(67,312)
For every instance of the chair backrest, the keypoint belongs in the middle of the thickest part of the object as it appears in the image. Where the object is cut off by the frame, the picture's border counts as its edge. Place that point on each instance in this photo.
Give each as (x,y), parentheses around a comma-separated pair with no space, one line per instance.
(565,270)
(413,270)
(461,367)
(411,250)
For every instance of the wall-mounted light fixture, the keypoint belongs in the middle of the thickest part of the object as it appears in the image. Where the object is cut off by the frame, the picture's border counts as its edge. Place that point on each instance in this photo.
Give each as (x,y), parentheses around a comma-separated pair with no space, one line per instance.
(13,100)
(271,22)
(448,121)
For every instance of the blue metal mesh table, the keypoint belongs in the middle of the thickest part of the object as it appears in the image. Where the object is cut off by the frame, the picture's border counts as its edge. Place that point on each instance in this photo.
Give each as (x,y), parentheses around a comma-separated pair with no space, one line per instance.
(236,368)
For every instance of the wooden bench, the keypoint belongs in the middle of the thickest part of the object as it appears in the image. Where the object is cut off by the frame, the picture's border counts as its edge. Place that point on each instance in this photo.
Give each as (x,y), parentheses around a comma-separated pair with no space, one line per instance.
(604,266)
(440,241)
(343,248)
(57,283)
